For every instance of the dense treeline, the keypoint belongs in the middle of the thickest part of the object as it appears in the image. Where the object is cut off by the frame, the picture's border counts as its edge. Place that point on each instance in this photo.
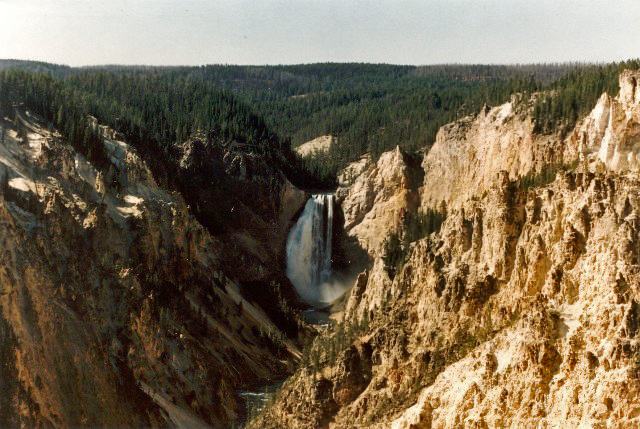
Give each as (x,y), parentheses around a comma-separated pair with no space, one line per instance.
(574,95)
(61,108)
(155,107)
(368,107)
(543,72)
(34,66)
(372,108)
(152,111)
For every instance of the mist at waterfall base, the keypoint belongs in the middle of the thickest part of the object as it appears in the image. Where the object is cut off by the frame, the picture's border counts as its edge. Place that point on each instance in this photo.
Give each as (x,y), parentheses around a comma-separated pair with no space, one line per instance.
(309,248)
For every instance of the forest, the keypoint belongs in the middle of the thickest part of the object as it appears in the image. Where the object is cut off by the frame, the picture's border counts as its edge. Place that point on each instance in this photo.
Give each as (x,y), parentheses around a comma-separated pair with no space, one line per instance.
(153,112)
(367,107)
(574,95)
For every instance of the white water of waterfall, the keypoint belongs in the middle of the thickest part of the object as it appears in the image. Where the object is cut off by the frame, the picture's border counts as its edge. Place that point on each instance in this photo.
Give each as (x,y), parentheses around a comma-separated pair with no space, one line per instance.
(309,252)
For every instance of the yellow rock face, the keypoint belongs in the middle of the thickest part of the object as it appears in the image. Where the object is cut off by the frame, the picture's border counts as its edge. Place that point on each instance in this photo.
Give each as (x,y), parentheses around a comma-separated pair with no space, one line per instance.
(318,145)
(523,311)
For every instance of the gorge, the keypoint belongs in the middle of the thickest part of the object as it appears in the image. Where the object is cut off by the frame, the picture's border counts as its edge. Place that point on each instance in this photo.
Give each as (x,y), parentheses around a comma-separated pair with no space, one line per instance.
(157,273)
(519,312)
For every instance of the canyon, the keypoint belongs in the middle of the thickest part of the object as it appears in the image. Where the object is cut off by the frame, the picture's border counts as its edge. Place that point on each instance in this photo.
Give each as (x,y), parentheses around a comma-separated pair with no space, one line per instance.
(131,300)
(520,312)
(119,309)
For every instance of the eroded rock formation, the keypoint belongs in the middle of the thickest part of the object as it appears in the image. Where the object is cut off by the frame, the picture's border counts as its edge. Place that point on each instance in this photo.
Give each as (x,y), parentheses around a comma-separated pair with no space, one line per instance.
(522,311)
(118,308)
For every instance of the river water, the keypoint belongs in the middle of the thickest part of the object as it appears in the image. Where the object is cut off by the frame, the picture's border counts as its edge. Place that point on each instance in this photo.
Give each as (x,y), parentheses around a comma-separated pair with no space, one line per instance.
(309,267)
(256,400)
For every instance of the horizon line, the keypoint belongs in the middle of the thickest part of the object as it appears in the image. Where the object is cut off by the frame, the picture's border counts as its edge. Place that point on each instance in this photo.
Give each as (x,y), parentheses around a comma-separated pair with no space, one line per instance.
(491,64)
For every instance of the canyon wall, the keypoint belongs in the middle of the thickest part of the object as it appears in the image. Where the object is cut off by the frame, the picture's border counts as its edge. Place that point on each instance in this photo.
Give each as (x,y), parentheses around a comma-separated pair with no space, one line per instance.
(522,311)
(118,308)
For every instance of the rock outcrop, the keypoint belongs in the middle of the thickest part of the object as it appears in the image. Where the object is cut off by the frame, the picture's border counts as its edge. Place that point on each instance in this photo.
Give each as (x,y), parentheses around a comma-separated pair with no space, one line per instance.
(522,311)
(316,146)
(468,154)
(242,197)
(611,133)
(117,308)
(374,204)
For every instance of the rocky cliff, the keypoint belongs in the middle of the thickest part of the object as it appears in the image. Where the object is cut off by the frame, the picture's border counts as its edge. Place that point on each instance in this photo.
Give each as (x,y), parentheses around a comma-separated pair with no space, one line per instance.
(117,307)
(373,205)
(469,153)
(609,137)
(316,146)
(522,311)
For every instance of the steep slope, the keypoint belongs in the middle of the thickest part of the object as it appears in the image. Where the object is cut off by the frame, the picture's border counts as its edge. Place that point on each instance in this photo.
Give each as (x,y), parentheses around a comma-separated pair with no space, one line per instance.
(117,306)
(521,311)
(611,133)
(319,145)
(468,154)
(375,202)
(243,198)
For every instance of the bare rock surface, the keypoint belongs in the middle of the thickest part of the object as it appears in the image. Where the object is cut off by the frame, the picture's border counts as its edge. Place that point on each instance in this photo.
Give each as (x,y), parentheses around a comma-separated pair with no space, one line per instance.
(611,134)
(468,154)
(373,205)
(522,311)
(318,145)
(117,308)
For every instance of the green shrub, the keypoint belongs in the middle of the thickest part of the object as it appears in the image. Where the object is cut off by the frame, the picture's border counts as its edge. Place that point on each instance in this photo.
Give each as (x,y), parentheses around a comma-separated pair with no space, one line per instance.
(546,176)
(415,226)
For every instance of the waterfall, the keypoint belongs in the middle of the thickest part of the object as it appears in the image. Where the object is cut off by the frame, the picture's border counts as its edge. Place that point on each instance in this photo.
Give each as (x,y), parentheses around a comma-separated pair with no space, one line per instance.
(309,252)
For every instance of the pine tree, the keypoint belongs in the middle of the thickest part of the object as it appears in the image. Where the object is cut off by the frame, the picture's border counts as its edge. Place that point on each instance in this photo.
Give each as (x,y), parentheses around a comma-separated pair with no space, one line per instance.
(4,182)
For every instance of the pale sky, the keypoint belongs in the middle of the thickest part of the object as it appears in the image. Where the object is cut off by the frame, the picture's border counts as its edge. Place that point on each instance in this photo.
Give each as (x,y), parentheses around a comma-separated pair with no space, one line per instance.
(83,32)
